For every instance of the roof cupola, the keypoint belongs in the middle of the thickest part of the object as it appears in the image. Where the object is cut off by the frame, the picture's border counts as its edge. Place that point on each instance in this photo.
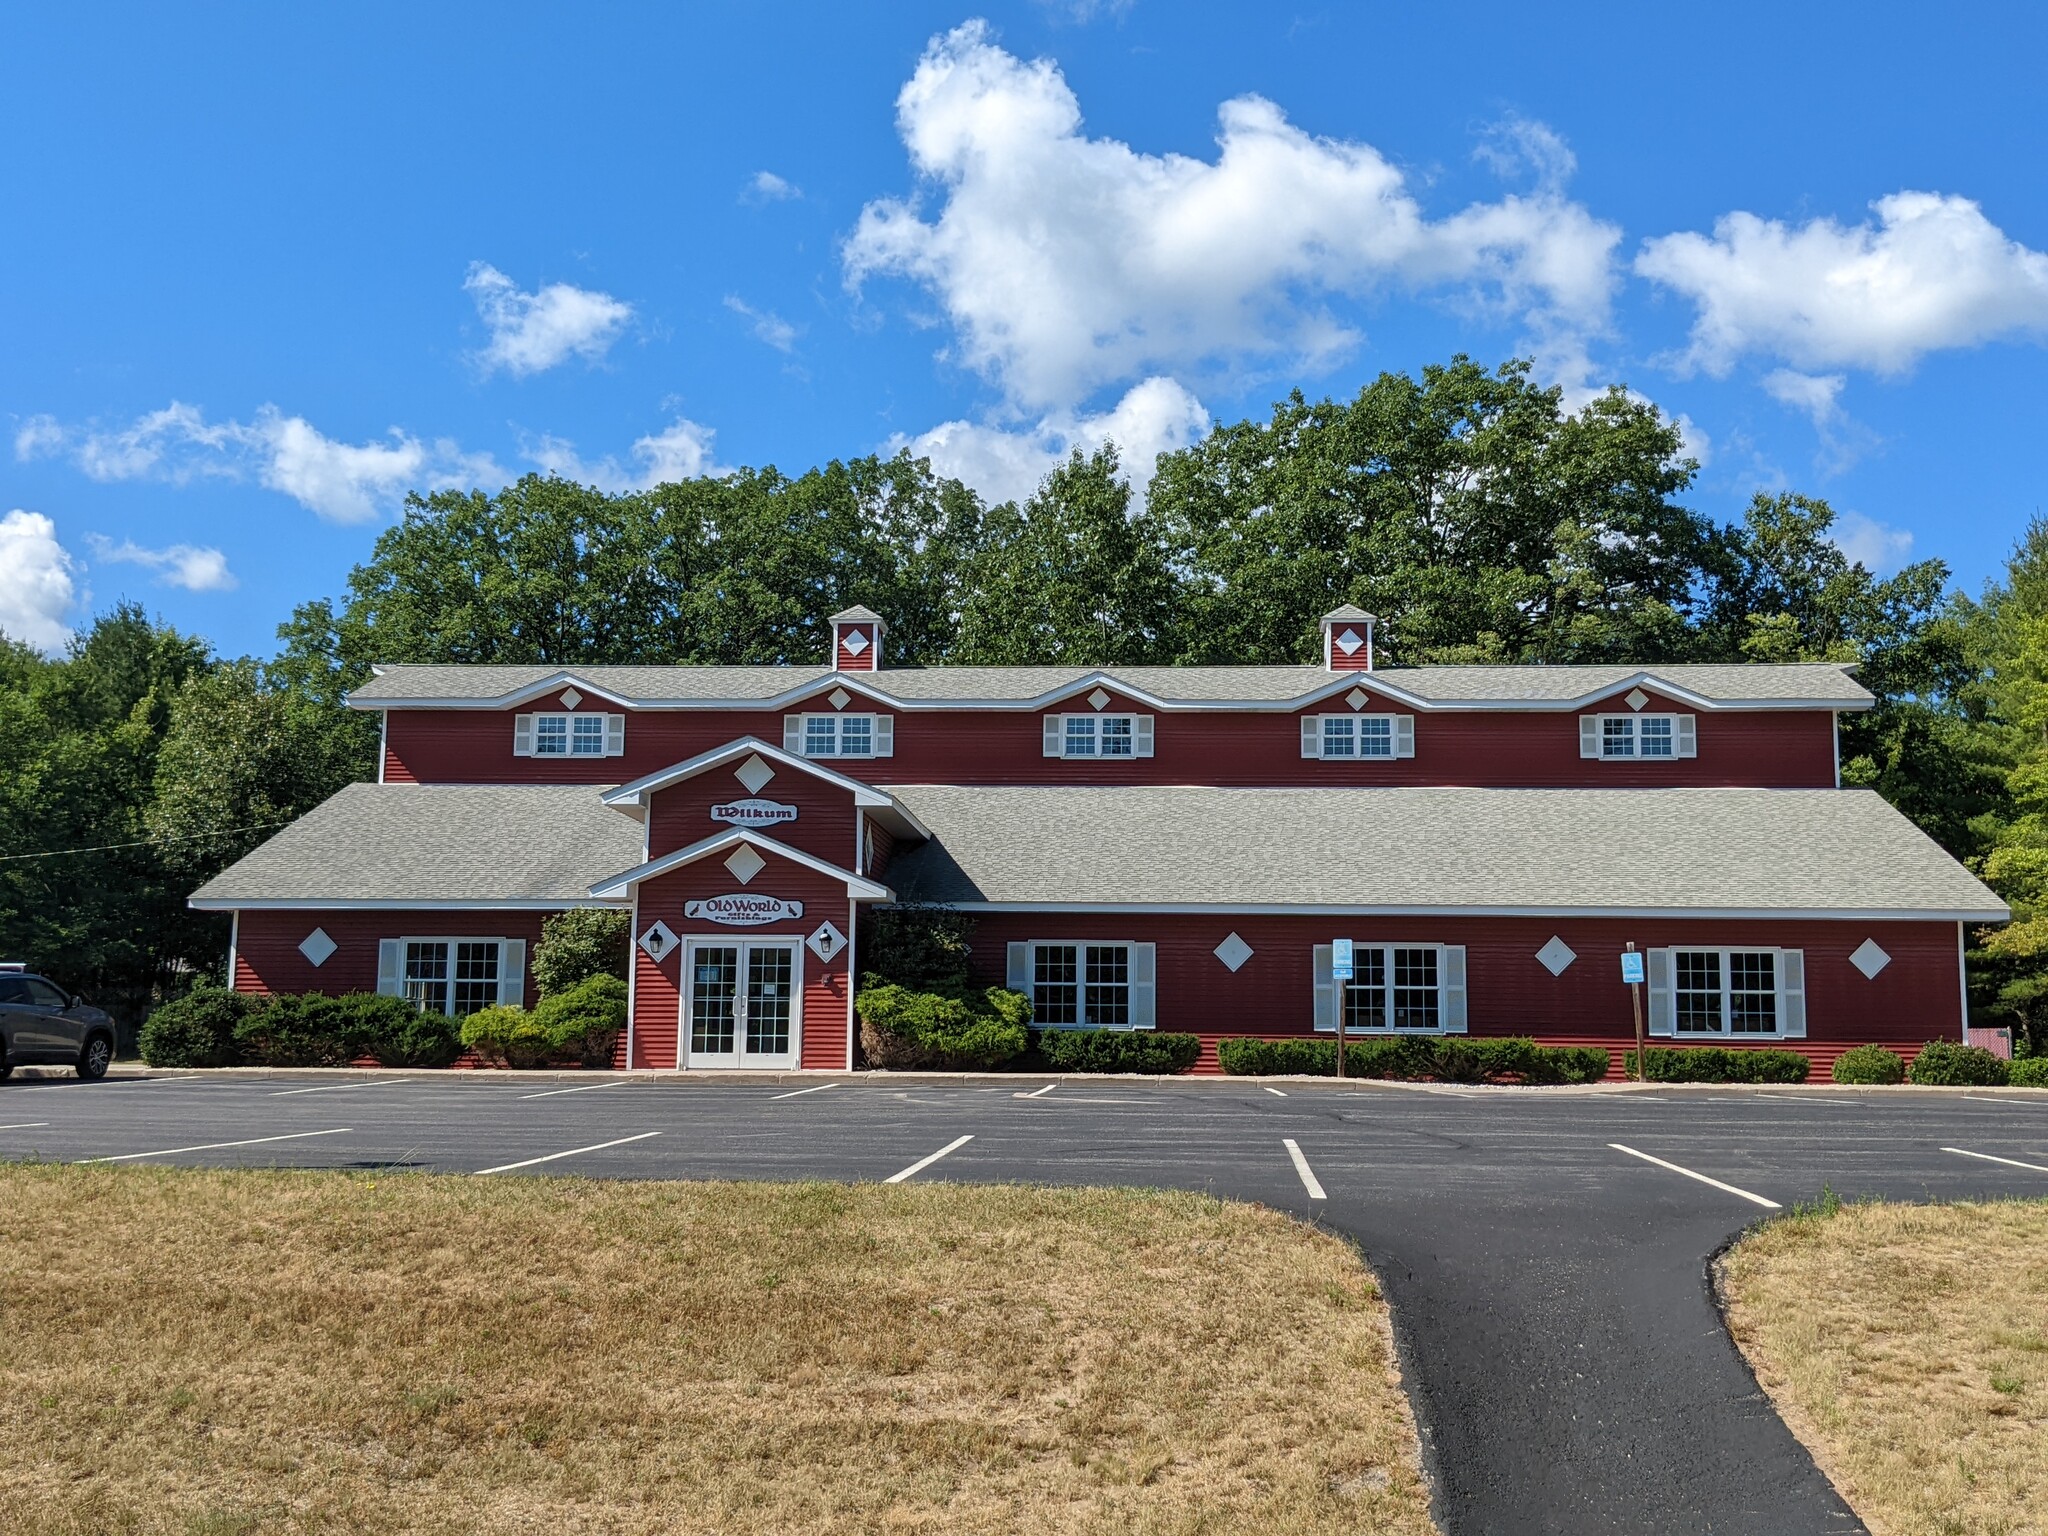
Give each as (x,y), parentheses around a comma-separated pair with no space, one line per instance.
(857,640)
(1347,639)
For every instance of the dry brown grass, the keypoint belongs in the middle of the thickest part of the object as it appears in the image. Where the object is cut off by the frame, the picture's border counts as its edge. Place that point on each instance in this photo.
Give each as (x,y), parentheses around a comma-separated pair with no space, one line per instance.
(226,1353)
(1907,1345)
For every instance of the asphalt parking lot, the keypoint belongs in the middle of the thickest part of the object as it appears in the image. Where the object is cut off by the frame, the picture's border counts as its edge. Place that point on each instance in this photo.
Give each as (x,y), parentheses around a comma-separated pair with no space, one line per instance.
(1545,1251)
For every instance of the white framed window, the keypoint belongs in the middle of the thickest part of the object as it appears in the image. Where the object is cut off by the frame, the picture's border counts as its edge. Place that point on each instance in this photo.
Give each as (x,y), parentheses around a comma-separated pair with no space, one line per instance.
(1349,738)
(1394,989)
(1702,993)
(839,735)
(1635,738)
(1086,983)
(1114,736)
(455,976)
(568,735)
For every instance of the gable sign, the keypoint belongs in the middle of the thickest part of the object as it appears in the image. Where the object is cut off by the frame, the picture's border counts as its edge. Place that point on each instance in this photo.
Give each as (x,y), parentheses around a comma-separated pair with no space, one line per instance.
(741,910)
(753,813)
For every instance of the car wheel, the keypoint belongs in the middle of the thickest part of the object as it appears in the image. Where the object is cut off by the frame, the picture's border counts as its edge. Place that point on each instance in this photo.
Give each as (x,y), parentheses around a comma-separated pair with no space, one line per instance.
(97,1056)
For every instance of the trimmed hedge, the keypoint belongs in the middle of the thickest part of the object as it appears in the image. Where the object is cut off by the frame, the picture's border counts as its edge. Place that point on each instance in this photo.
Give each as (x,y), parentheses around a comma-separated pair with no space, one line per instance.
(1417,1056)
(213,1027)
(1869,1064)
(1718,1064)
(903,1029)
(2028,1072)
(1101,1050)
(578,1027)
(1945,1064)
(196,1030)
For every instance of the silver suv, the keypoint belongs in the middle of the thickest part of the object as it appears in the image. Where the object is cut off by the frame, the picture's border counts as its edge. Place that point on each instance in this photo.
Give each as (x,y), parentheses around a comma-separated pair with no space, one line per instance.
(42,1023)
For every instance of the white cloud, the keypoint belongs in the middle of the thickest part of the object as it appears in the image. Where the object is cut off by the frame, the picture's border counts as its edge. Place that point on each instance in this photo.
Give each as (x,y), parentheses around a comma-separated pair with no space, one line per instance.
(1818,395)
(1876,546)
(532,332)
(768,326)
(681,451)
(767,187)
(36,590)
(196,568)
(1067,263)
(1007,464)
(1930,273)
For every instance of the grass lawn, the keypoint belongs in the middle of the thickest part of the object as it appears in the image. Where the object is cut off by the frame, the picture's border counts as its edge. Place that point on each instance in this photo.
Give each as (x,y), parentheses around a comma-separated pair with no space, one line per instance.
(1907,1345)
(223,1353)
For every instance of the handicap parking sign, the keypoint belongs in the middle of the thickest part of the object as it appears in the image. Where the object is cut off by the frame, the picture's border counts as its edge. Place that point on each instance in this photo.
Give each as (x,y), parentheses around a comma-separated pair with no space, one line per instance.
(1632,966)
(1340,960)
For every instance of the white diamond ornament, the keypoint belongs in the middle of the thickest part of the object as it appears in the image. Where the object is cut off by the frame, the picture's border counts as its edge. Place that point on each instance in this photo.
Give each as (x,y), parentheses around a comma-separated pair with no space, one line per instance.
(839,698)
(1233,952)
(316,947)
(1098,698)
(1357,698)
(754,773)
(826,941)
(1556,955)
(745,863)
(658,941)
(856,642)
(1348,642)
(1636,698)
(571,698)
(1869,959)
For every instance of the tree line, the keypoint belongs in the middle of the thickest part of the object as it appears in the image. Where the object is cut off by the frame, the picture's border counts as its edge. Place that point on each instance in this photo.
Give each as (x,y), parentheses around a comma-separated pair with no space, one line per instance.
(1465,506)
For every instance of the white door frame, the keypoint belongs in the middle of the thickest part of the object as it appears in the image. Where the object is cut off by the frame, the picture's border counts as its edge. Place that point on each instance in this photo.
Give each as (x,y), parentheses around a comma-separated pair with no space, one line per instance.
(742,943)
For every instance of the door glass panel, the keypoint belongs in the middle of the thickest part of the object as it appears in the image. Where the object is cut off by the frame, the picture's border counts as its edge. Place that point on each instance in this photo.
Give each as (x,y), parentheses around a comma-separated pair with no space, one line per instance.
(714,981)
(768,999)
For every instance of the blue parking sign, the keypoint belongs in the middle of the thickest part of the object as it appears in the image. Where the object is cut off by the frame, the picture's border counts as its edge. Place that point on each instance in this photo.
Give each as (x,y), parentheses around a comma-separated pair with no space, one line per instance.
(1632,966)
(1340,960)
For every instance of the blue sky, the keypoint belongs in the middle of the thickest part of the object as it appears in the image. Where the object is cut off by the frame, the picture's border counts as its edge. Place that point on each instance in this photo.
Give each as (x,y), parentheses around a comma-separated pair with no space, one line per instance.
(268,268)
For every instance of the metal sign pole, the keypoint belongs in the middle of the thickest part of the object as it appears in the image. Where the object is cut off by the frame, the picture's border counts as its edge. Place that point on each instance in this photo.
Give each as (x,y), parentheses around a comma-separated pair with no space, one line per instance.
(1342,969)
(1632,973)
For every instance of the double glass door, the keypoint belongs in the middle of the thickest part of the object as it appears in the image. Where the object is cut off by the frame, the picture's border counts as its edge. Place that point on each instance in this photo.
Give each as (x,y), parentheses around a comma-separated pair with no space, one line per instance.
(741,1009)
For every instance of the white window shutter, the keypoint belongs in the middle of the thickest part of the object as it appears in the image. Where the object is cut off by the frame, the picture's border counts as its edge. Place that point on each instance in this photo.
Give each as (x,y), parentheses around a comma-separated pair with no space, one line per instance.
(1404,735)
(614,735)
(1141,728)
(391,967)
(1144,985)
(1688,736)
(793,734)
(884,736)
(1055,735)
(512,973)
(1454,989)
(1326,989)
(1589,735)
(1792,993)
(522,735)
(1019,974)
(1663,1011)
(1311,735)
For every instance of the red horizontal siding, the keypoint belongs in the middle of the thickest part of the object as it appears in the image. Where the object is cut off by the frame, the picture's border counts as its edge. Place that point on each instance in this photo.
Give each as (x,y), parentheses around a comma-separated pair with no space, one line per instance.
(824,825)
(267,958)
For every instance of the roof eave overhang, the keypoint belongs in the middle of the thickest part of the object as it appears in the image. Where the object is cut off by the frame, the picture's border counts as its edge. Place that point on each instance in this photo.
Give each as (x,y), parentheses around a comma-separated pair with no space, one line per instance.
(620,886)
(635,795)
(396,904)
(1340,909)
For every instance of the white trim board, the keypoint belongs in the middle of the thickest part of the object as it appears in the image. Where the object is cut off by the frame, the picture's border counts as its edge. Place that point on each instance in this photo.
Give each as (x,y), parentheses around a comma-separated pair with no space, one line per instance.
(396,904)
(1289,909)
(856,886)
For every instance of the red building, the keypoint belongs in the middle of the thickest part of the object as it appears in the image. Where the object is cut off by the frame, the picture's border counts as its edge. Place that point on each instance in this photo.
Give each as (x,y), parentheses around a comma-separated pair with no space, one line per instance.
(1143,847)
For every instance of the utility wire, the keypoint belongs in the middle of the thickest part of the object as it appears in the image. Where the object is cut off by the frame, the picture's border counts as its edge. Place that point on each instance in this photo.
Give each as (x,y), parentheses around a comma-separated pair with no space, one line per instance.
(147,842)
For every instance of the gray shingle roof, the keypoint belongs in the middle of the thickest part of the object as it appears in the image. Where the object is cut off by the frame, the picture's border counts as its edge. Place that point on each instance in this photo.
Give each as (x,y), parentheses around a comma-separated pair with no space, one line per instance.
(1777,851)
(523,843)
(1817,685)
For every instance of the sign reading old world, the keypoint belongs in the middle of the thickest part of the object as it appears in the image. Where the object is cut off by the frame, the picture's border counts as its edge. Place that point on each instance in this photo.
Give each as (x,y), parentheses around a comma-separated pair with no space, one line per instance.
(753,813)
(741,910)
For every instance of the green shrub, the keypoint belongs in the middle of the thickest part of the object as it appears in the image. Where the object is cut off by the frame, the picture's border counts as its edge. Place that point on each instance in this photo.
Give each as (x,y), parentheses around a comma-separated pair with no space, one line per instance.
(1719,1064)
(922,948)
(1414,1057)
(1102,1050)
(1869,1064)
(1277,1058)
(298,1029)
(578,944)
(395,1032)
(197,1030)
(2028,1072)
(901,1029)
(1945,1064)
(507,1036)
(584,1023)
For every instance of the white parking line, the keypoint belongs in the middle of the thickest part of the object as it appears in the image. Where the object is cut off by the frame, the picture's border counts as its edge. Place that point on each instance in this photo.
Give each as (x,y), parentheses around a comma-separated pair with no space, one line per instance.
(572,1152)
(1274,1091)
(215,1146)
(925,1162)
(2009,1162)
(1040,1092)
(586,1088)
(800,1092)
(1769,1205)
(1984,1098)
(104,1083)
(1308,1174)
(285,1093)
(24,1125)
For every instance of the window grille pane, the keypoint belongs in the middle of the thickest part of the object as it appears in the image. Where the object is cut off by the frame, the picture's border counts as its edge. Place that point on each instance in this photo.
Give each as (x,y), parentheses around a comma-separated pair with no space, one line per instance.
(1376,737)
(476,977)
(1338,739)
(820,735)
(856,735)
(1696,997)
(1617,737)
(714,979)
(1752,992)
(1653,736)
(550,735)
(1109,985)
(1080,735)
(1055,985)
(1415,993)
(588,735)
(1116,736)
(426,976)
(1365,995)
(768,994)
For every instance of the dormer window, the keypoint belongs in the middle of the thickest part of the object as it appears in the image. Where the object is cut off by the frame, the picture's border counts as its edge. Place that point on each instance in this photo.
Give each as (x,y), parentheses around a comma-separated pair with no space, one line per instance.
(1348,738)
(1630,738)
(567,735)
(839,735)
(1094,736)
